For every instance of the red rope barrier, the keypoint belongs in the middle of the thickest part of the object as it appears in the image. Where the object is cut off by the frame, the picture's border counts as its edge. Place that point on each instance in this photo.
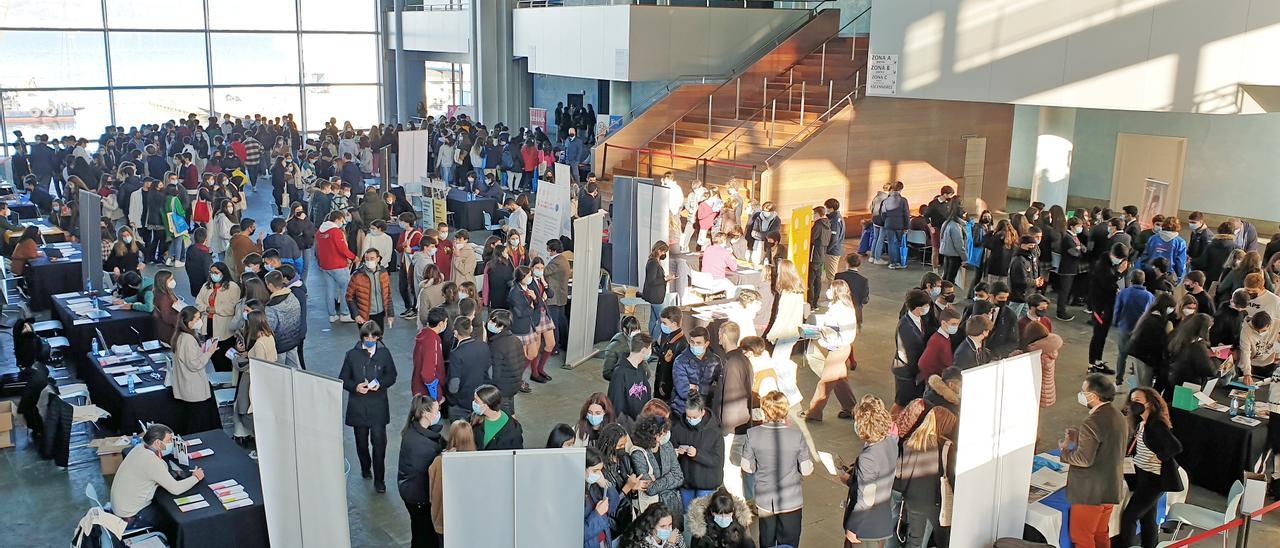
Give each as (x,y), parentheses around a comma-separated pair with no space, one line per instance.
(1212,532)
(682,157)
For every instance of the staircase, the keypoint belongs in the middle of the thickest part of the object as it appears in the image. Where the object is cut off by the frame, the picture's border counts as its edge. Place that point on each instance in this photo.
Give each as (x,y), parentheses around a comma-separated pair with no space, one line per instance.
(757,116)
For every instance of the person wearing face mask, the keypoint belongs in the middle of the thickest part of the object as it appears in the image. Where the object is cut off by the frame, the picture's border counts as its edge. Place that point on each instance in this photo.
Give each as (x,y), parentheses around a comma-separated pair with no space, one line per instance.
(463,259)
(619,346)
(938,353)
(1024,274)
(428,356)
(1148,345)
(1071,251)
(654,459)
(1105,277)
(655,527)
(1200,237)
(377,238)
(1037,311)
(164,317)
(952,239)
(1154,471)
(629,387)
(1095,451)
(973,350)
(1257,353)
(469,364)
(407,246)
(259,343)
(420,445)
(369,292)
(1130,304)
(134,488)
(694,369)
(656,281)
(596,413)
(188,377)
(368,372)
(526,302)
(507,353)
(761,224)
(719,520)
(910,344)
(775,452)
(220,228)
(601,503)
(494,428)
(700,449)
(557,274)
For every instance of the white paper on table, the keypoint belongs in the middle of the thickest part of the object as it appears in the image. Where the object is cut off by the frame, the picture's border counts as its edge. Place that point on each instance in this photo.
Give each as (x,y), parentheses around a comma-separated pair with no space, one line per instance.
(82,321)
(1047,479)
(66,295)
(119,369)
(1208,386)
(150,345)
(1204,400)
(194,506)
(121,349)
(1192,386)
(145,390)
(828,462)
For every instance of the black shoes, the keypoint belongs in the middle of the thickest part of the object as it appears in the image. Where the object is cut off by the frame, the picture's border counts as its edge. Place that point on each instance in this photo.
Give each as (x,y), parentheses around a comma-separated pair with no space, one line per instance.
(1101,367)
(366,474)
(380,487)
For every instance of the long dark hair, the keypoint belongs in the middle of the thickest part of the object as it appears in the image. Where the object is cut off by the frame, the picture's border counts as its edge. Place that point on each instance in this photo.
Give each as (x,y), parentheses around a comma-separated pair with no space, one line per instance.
(645,524)
(1188,330)
(1159,409)
(721,502)
(420,406)
(584,427)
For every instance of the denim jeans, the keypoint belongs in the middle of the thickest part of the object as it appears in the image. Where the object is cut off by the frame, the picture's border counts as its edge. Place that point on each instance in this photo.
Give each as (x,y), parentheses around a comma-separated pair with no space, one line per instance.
(178,248)
(655,322)
(877,242)
(335,288)
(895,246)
(687,495)
(1122,351)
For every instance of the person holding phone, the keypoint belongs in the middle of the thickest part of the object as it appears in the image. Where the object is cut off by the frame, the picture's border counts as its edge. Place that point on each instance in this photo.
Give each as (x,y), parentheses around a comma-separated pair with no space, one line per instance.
(1095,451)
(188,377)
(367,372)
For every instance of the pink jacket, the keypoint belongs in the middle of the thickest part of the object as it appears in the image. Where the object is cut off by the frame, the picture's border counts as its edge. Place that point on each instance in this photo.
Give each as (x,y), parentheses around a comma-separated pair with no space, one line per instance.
(718,261)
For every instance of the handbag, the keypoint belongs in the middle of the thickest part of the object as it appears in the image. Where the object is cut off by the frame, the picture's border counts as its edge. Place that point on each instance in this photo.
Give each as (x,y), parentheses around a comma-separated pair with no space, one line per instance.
(644,500)
(948,496)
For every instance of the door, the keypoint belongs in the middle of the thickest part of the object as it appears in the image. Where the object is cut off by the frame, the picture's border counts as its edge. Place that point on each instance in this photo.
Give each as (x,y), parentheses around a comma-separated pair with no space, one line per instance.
(1143,161)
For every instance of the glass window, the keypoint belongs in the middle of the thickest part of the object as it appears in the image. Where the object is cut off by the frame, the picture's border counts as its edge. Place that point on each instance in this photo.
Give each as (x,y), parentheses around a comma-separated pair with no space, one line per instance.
(348,15)
(51,13)
(158,59)
(246,58)
(52,59)
(268,101)
(155,106)
(340,58)
(355,104)
(155,14)
(56,113)
(252,15)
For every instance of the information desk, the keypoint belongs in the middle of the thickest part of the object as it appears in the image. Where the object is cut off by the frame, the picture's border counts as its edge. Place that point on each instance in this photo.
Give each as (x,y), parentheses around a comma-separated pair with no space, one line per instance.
(1216,450)
(24,209)
(215,526)
(51,234)
(48,276)
(151,401)
(468,210)
(118,328)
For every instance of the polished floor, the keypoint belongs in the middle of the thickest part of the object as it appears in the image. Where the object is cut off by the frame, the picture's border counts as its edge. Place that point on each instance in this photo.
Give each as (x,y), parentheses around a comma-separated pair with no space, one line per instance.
(40,503)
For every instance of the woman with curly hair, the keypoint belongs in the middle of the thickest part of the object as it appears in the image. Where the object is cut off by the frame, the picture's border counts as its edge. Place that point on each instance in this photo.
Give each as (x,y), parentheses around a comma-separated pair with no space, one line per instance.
(653,528)
(868,517)
(776,453)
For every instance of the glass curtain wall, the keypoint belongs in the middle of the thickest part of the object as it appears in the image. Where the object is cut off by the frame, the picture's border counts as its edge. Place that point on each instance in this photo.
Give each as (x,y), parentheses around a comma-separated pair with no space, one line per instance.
(447,84)
(71,67)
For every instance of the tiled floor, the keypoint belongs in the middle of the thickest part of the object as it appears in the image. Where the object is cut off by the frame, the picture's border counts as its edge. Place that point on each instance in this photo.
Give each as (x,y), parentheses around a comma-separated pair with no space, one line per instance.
(41,503)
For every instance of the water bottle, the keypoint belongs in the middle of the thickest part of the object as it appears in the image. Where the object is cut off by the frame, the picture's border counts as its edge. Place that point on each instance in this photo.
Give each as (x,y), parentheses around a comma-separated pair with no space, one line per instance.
(132,389)
(1235,406)
(1249,404)
(95,347)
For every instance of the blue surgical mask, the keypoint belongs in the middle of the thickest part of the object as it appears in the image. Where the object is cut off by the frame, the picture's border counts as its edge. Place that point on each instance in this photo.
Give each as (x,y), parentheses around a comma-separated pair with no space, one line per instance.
(667,330)
(475,408)
(698,350)
(664,534)
(934,292)
(592,478)
(215,278)
(662,440)
(723,521)
(951,329)
(168,450)
(694,422)
(595,420)
(493,328)
(1116,260)
(370,344)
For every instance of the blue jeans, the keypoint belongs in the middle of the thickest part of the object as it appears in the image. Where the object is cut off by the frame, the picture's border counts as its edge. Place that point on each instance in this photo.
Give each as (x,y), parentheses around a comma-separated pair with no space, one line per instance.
(895,246)
(446,173)
(1122,351)
(655,323)
(868,239)
(177,248)
(335,288)
(687,495)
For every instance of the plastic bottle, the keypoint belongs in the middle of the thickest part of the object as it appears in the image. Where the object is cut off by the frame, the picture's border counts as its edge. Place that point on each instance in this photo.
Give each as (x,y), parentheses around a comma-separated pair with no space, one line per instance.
(1235,407)
(96,349)
(1250,403)
(132,389)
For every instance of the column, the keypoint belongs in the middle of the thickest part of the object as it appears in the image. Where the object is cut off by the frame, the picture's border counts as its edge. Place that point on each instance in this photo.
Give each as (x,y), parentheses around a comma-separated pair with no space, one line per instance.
(491,54)
(404,109)
(1055,136)
(413,88)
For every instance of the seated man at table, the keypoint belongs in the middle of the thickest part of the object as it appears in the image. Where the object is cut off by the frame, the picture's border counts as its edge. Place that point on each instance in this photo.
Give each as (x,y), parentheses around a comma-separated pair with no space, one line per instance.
(143,469)
(38,196)
(5,224)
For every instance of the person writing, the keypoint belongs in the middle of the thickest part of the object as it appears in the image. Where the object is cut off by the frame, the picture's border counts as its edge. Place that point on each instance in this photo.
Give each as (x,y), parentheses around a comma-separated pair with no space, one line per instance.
(144,469)
(1095,451)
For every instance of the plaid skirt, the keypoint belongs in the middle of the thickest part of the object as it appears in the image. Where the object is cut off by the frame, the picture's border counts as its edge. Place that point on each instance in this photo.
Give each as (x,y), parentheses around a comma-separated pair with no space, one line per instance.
(545,324)
(529,338)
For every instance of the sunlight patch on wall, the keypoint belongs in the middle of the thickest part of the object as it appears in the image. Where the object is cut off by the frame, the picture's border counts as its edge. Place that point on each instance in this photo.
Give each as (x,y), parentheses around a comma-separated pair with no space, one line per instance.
(1154,80)
(923,50)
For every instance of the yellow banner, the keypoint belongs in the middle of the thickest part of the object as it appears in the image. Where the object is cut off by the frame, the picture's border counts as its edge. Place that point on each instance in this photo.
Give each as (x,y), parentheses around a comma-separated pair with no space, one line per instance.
(798,241)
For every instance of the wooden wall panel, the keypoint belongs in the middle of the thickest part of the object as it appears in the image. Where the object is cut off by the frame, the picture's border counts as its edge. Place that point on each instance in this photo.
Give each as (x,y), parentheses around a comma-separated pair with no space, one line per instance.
(882,139)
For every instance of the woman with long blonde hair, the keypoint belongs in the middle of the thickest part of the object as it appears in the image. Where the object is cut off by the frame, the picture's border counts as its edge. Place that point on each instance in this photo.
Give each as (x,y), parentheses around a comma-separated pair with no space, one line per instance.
(785,329)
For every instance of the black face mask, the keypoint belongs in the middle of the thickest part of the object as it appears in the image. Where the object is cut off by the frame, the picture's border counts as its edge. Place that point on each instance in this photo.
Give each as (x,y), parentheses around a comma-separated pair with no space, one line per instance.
(1136,409)
(949,297)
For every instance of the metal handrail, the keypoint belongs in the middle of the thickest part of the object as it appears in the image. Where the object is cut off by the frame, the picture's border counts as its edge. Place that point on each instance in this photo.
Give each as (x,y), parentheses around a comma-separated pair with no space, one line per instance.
(835,107)
(765,104)
(751,59)
(707,3)
(790,88)
(440,5)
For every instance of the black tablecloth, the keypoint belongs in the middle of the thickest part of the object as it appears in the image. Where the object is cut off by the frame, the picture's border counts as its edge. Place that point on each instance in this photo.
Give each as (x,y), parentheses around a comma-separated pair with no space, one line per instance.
(25,210)
(1216,451)
(216,527)
(468,211)
(46,278)
(608,314)
(116,329)
(127,409)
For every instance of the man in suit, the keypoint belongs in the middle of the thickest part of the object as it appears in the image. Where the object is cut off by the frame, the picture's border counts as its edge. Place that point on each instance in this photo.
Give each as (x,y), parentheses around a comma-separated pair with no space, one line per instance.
(819,240)
(1095,451)
(909,342)
(467,370)
(972,352)
(557,274)
(1072,253)
(575,152)
(43,163)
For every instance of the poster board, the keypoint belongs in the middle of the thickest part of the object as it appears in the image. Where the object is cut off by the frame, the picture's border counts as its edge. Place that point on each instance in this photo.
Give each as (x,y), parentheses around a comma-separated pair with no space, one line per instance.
(798,241)
(563,175)
(587,236)
(411,161)
(997,436)
(523,494)
(549,210)
(298,415)
(653,222)
(90,205)
(625,214)
(882,74)
(538,118)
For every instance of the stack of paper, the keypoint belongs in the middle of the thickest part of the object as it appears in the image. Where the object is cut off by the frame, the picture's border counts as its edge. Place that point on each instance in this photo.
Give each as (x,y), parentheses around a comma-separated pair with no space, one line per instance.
(200,454)
(231,494)
(192,502)
(1045,482)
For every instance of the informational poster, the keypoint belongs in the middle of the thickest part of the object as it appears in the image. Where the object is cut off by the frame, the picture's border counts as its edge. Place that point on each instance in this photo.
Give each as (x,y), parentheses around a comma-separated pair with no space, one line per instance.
(298,417)
(454,111)
(587,238)
(997,436)
(798,241)
(411,161)
(562,176)
(538,118)
(549,210)
(882,74)
(1153,197)
(523,493)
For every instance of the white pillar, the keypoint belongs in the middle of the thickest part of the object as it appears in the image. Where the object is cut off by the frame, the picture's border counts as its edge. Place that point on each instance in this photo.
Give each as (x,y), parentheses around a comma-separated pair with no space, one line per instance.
(492,73)
(403,109)
(1055,136)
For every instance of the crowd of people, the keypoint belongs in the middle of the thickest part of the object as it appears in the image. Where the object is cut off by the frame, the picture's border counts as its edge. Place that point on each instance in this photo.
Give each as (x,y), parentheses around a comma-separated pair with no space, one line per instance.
(697,432)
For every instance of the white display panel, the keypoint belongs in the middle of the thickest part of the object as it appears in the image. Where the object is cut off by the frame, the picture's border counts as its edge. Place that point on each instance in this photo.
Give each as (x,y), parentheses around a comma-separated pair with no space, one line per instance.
(587,234)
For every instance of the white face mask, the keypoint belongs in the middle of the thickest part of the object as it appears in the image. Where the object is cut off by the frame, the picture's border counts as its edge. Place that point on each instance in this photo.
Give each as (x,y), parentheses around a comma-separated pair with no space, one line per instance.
(1082,399)
(1188,311)
(172,283)
(371,265)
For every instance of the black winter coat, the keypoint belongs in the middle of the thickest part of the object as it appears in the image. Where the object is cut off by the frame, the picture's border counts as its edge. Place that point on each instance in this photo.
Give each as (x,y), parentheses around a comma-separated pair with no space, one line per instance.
(419,447)
(468,369)
(371,408)
(655,283)
(1160,440)
(506,363)
(706,469)
(510,437)
(1149,341)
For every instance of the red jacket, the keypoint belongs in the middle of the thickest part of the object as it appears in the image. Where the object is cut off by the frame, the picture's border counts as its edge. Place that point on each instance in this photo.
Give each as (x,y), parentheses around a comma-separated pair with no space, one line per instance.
(936,357)
(428,364)
(332,252)
(444,257)
(237,147)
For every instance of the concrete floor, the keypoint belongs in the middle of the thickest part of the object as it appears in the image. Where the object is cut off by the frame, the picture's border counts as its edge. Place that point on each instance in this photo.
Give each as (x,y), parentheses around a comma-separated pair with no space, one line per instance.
(42,503)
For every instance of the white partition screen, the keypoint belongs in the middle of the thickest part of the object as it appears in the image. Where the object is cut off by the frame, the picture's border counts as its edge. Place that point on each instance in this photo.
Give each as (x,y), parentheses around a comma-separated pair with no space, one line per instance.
(298,422)
(411,160)
(587,234)
(997,436)
(523,496)
(551,208)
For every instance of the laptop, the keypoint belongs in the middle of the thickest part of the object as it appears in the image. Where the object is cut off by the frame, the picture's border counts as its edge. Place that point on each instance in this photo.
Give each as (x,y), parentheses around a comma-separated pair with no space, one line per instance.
(52,252)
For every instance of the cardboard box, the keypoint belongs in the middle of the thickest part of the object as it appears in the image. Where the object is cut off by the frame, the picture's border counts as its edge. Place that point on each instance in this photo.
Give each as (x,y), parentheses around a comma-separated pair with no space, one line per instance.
(6,416)
(110,463)
(6,439)
(110,452)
